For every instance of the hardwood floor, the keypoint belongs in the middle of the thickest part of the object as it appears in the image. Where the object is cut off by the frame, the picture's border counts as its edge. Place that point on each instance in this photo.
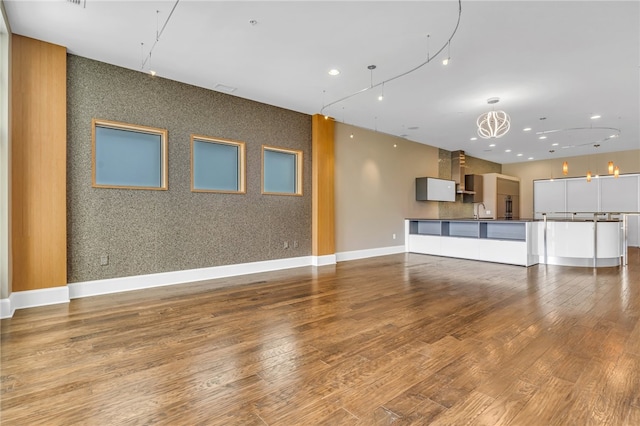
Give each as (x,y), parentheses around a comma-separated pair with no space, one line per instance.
(402,339)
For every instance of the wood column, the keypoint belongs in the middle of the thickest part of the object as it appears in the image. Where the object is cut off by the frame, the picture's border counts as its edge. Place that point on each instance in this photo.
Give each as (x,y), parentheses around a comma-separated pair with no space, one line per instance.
(38,169)
(322,164)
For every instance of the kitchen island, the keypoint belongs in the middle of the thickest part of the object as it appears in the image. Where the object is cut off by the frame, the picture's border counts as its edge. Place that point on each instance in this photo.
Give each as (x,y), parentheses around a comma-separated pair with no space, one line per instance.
(524,242)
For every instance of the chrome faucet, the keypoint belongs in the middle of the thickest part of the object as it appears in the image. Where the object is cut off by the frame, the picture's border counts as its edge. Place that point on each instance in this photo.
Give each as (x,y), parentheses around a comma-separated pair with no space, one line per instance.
(476,208)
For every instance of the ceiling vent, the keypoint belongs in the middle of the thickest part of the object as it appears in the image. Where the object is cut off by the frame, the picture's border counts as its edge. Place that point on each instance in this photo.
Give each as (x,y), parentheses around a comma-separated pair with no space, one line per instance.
(224,88)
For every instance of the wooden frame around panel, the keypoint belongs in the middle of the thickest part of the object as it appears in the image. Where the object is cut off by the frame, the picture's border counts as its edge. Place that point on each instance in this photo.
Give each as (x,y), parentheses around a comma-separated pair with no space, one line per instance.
(242,163)
(164,135)
(299,170)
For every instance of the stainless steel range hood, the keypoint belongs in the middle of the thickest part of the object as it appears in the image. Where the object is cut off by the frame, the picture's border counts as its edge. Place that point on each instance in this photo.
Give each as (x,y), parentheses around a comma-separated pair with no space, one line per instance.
(458,168)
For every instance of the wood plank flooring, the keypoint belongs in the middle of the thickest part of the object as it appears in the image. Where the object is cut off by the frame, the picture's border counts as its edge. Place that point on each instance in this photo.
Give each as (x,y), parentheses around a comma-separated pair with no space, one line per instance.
(403,339)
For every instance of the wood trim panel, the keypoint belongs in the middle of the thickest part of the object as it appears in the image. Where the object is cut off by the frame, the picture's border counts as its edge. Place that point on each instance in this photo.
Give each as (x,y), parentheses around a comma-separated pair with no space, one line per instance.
(242,163)
(323,192)
(164,135)
(299,170)
(38,173)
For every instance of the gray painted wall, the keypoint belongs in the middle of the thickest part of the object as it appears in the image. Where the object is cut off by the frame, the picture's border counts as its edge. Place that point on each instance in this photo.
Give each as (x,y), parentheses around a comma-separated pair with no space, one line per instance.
(146,232)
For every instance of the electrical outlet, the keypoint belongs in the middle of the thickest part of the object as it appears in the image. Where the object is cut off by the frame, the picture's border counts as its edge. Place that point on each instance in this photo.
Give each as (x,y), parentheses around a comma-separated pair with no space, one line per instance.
(286,244)
(394,236)
(295,243)
(104,260)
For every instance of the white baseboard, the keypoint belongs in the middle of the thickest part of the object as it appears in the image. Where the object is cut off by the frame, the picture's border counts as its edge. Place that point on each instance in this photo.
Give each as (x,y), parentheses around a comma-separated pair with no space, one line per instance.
(6,311)
(329,259)
(139,282)
(363,254)
(32,299)
(49,296)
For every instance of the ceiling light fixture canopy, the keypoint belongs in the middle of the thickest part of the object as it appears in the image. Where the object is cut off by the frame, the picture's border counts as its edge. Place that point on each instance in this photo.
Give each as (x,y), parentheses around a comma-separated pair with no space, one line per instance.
(493,124)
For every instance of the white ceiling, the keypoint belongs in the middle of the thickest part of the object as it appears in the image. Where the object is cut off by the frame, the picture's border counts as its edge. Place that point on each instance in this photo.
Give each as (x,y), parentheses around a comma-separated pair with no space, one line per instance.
(563,60)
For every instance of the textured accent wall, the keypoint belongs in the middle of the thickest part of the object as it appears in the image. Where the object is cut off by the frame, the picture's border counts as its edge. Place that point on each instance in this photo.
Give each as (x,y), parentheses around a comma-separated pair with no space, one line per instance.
(145,232)
(474,166)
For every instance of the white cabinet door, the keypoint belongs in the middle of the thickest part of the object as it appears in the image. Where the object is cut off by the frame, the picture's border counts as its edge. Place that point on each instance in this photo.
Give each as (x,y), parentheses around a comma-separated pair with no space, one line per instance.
(463,248)
(623,195)
(619,195)
(501,251)
(582,196)
(549,196)
(424,244)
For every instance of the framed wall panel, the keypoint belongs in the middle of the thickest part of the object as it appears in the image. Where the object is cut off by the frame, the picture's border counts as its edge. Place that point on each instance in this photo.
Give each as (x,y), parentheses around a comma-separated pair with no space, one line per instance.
(128,156)
(217,165)
(281,171)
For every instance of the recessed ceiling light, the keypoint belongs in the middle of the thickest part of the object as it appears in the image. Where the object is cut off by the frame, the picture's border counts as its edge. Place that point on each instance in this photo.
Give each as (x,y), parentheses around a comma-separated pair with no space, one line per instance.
(542,137)
(519,155)
(554,144)
(530,158)
(595,117)
(492,145)
(526,129)
(473,139)
(507,150)
(334,71)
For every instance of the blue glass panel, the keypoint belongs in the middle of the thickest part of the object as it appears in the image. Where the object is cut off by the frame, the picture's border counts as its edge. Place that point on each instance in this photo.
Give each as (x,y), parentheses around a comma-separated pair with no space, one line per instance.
(279,172)
(215,166)
(128,158)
